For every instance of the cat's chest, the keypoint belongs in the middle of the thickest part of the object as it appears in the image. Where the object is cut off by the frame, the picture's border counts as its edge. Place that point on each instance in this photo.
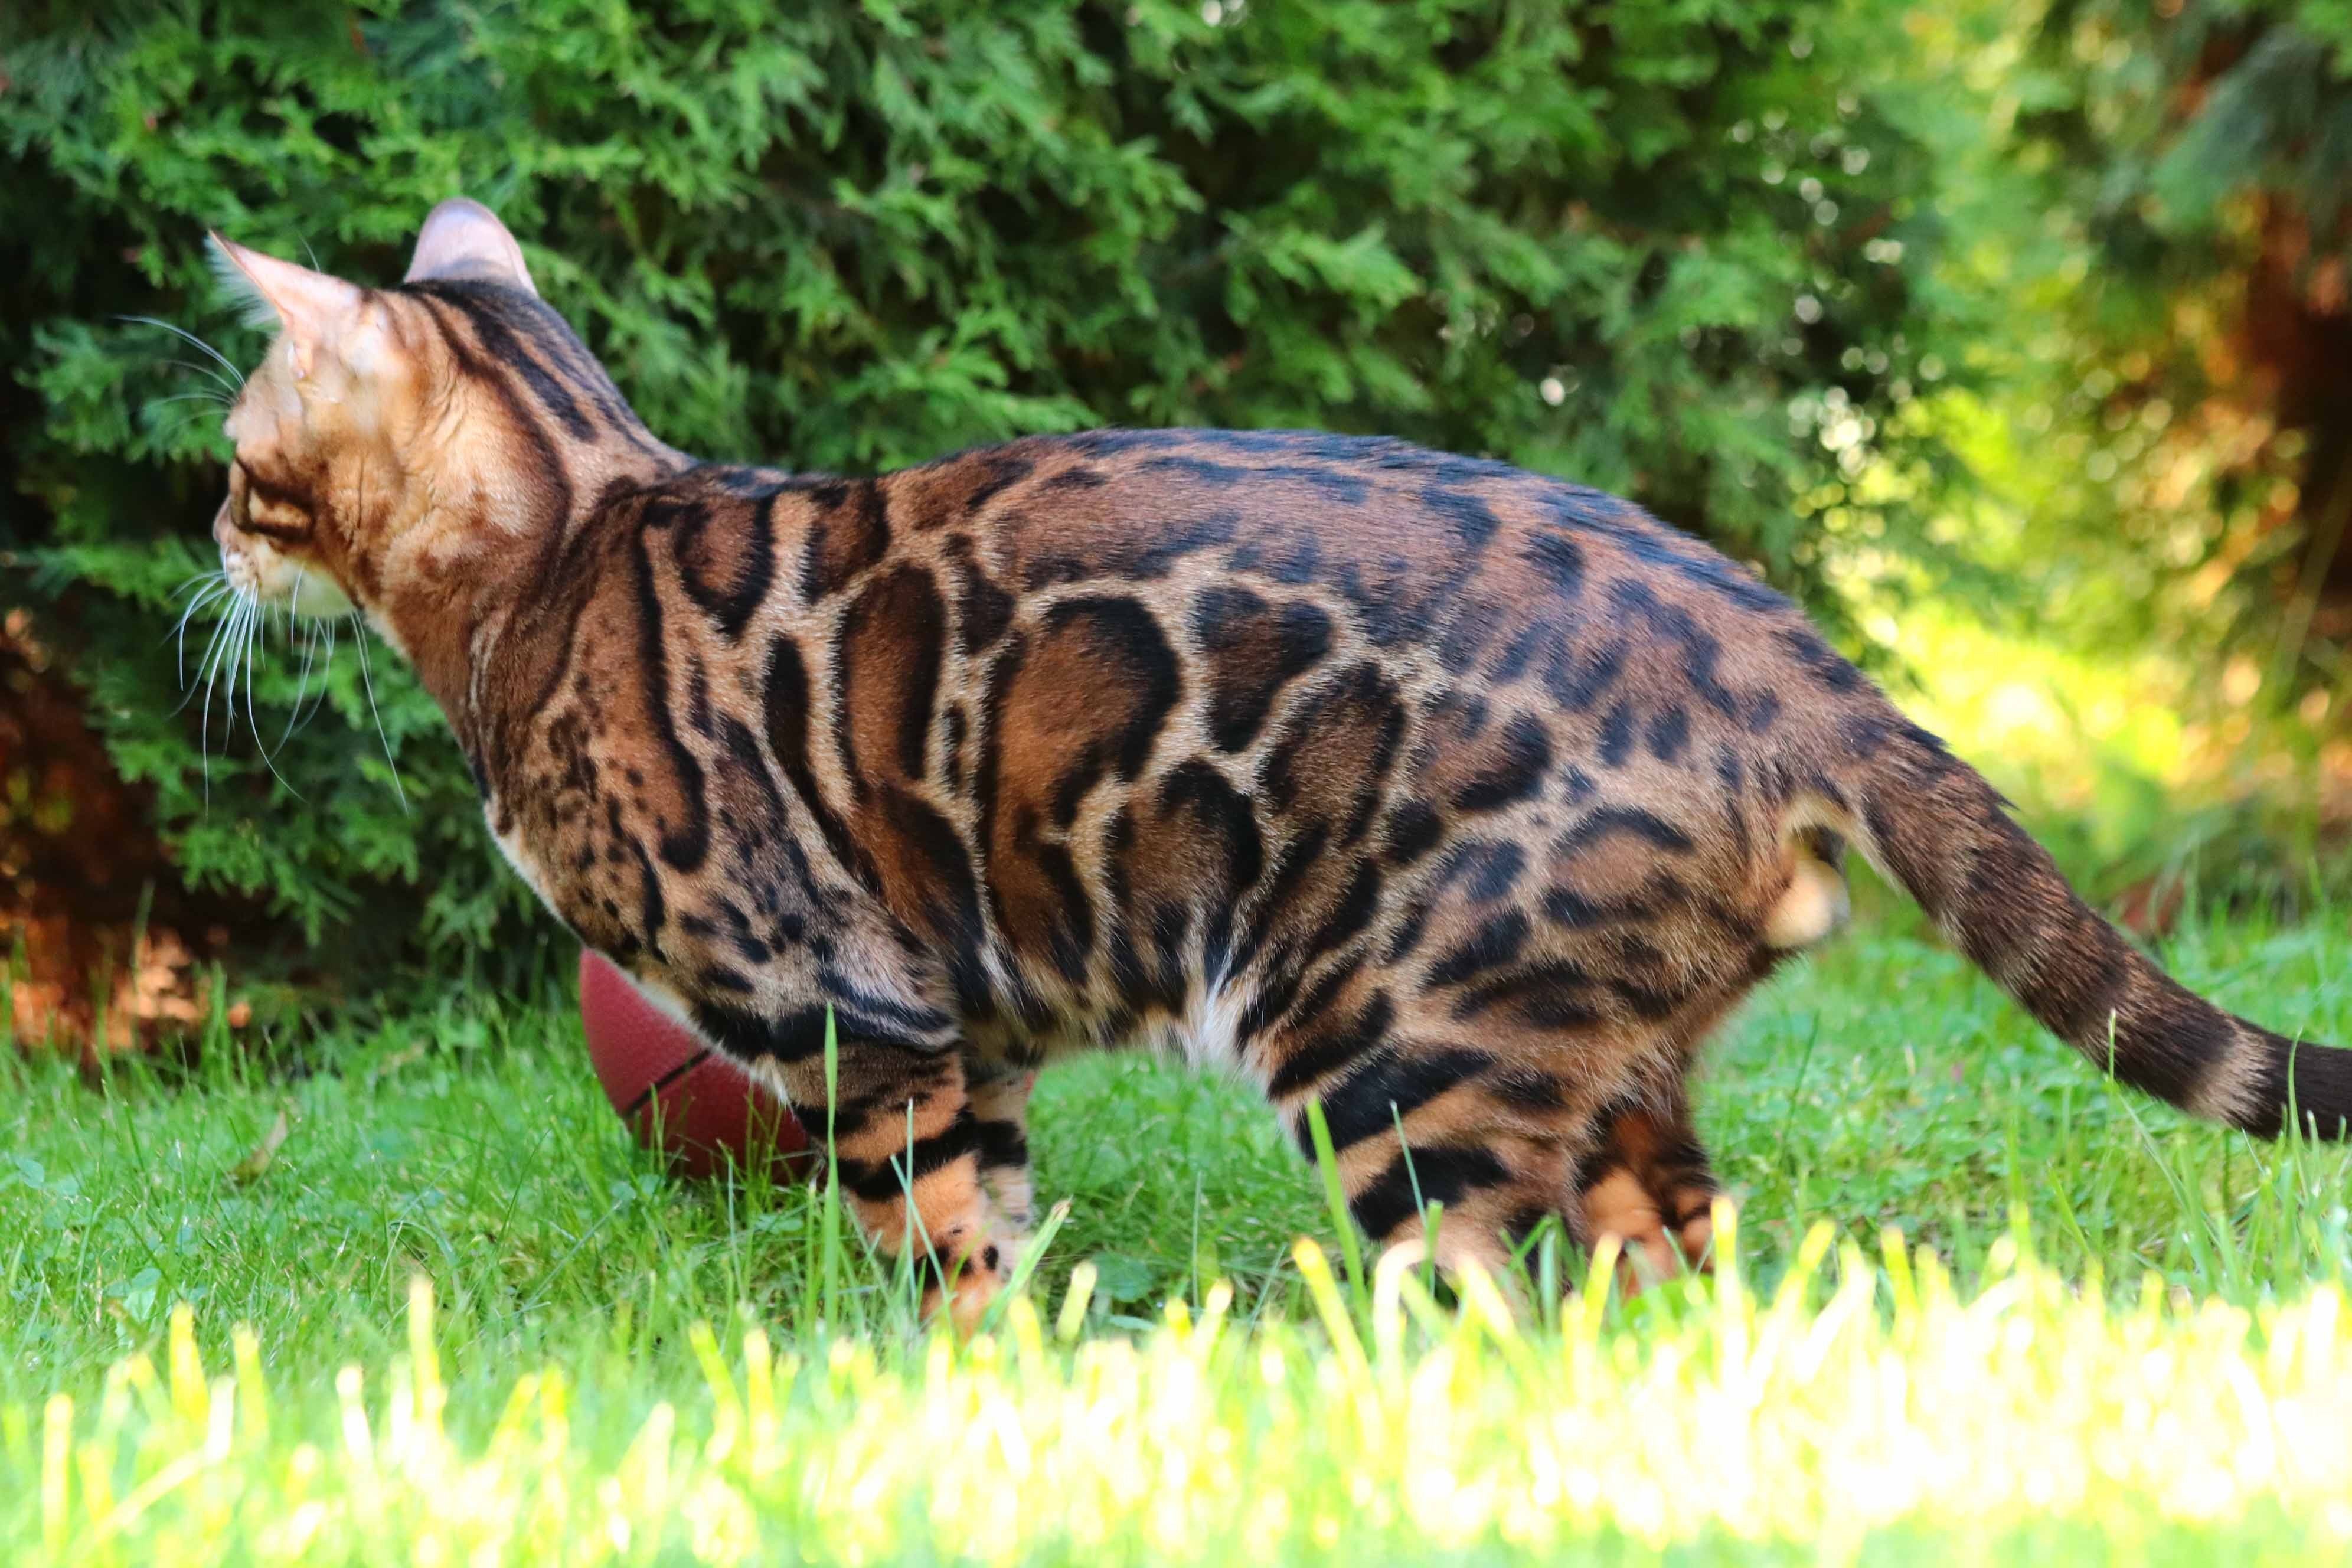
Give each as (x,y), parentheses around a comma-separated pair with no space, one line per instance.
(690,862)
(518,851)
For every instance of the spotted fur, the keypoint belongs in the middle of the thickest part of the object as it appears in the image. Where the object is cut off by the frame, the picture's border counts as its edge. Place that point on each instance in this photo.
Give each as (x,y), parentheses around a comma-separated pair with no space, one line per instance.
(1455,800)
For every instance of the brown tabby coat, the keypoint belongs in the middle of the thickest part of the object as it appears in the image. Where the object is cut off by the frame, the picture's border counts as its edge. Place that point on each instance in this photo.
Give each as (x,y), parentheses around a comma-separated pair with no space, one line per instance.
(1460,801)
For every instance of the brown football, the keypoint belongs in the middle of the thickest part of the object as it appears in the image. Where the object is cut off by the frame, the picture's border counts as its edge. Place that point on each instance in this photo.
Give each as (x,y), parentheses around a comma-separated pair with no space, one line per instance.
(677,1093)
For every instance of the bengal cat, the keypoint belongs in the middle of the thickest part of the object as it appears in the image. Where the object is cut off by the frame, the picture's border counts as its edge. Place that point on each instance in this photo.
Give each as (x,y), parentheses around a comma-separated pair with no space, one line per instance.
(1457,800)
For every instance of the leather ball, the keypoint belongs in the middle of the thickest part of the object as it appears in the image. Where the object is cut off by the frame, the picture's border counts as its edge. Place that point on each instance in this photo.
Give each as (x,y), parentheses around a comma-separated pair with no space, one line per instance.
(677,1092)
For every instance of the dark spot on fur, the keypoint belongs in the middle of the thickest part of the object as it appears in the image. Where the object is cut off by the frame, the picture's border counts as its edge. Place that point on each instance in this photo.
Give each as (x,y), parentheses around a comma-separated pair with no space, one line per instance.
(1390,1086)
(1495,944)
(983,609)
(890,653)
(1332,1043)
(1440,1175)
(848,532)
(999,471)
(1412,830)
(1615,819)
(1559,560)
(1254,650)
(1820,660)
(1548,996)
(1617,735)
(1526,752)
(1337,750)
(1669,731)
(1471,521)
(787,702)
(1490,868)
(1576,682)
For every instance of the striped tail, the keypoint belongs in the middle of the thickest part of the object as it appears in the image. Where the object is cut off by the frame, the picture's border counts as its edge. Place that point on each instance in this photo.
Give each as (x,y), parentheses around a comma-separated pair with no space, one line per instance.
(1931,823)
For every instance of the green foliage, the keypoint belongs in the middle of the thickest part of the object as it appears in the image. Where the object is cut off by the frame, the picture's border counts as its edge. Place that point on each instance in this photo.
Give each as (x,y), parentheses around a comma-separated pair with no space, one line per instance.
(1612,242)
(2185,248)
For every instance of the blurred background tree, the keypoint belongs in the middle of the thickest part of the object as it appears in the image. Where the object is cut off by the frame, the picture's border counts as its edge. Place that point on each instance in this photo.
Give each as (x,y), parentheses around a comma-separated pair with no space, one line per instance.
(2159,429)
(2000,337)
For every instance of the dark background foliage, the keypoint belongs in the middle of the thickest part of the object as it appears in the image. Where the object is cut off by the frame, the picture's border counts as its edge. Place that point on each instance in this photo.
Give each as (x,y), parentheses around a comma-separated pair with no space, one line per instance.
(1725,258)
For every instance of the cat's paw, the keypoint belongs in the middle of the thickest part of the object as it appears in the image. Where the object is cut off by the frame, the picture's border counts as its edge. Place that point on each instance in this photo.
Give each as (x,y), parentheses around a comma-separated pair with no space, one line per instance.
(1654,1247)
(967,1284)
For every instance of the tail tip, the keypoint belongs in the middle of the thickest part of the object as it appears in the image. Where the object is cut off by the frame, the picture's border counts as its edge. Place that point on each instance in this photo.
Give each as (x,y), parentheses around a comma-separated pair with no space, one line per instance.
(2301,1084)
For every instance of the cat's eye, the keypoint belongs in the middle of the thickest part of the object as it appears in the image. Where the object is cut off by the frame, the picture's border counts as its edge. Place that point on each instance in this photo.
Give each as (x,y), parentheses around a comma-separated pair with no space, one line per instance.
(258,507)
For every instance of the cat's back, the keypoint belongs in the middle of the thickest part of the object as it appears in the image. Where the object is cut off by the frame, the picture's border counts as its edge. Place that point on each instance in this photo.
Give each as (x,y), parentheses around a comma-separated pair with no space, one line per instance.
(1256,553)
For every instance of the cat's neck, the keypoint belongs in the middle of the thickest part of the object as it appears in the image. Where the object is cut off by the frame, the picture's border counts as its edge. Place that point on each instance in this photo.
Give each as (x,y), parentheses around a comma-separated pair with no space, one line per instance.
(466,621)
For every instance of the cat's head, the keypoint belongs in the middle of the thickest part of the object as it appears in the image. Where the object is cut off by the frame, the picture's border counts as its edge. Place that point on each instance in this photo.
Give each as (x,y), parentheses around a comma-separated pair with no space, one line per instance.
(395,442)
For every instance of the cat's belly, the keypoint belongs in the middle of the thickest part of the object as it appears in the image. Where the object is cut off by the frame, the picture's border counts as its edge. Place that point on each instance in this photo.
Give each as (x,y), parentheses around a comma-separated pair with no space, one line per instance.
(1203,1033)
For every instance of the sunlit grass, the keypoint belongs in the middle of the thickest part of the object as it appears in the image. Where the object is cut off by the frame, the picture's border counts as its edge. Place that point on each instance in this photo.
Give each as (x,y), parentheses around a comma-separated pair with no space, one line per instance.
(1864,1401)
(2112,1334)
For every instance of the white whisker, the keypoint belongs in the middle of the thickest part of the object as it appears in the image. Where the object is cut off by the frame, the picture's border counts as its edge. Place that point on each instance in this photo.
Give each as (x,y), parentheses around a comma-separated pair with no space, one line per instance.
(257,643)
(359,636)
(212,591)
(228,390)
(222,638)
(196,602)
(212,645)
(327,660)
(183,332)
(302,681)
(214,398)
(189,419)
(237,626)
(233,662)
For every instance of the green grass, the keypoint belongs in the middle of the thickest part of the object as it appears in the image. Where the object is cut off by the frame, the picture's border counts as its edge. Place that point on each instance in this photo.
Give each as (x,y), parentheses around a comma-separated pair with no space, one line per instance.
(2116,1334)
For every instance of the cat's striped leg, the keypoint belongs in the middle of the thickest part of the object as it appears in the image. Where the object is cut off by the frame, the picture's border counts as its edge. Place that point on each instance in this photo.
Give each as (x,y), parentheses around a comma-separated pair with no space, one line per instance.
(1486,1196)
(910,1147)
(1649,1186)
(1000,1100)
(1532,1121)
(1420,1123)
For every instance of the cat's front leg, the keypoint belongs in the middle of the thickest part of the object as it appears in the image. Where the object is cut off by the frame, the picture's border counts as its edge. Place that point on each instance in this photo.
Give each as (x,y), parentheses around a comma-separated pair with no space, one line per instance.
(999,1099)
(910,1148)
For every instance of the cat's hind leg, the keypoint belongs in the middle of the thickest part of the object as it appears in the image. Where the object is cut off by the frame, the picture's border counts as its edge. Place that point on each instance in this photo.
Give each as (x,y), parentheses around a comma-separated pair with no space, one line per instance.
(1551,1113)
(1648,1183)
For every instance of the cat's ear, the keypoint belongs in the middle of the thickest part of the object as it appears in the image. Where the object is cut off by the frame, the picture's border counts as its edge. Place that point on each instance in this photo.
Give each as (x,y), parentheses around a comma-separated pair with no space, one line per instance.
(311,307)
(464,240)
